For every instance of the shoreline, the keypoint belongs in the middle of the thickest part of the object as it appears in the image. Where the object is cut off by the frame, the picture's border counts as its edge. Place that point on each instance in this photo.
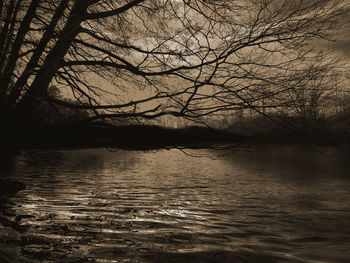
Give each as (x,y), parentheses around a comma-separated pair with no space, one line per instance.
(145,137)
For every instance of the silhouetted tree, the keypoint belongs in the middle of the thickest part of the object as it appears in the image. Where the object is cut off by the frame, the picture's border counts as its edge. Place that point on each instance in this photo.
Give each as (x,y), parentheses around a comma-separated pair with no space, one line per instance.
(48,113)
(189,58)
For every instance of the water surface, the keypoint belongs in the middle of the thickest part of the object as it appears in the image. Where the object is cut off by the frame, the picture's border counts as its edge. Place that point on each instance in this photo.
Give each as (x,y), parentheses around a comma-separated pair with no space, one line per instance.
(285,205)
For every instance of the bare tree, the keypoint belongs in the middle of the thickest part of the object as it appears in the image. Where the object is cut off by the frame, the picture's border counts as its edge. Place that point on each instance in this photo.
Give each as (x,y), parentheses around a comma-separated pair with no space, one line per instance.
(187,59)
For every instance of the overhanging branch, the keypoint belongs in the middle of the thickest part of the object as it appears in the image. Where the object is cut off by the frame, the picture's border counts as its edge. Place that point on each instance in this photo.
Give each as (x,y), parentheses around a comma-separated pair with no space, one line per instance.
(114,12)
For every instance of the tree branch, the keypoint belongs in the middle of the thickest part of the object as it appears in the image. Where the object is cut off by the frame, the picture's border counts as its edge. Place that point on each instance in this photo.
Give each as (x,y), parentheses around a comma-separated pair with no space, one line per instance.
(117,11)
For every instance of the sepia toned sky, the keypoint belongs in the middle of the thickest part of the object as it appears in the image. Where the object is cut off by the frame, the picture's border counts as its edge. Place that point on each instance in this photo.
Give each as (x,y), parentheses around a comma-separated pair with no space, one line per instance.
(342,45)
(342,37)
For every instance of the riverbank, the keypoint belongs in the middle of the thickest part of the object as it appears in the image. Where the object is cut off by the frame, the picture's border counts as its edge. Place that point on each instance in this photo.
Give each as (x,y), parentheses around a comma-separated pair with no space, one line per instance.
(154,137)
(9,229)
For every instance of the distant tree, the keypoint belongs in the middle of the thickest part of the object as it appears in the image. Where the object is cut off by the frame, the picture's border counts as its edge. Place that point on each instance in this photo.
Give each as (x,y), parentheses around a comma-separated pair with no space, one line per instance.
(311,102)
(190,58)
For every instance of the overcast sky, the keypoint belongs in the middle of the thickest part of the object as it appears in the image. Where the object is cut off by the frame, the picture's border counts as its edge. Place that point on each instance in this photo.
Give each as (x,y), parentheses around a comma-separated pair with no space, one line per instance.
(342,37)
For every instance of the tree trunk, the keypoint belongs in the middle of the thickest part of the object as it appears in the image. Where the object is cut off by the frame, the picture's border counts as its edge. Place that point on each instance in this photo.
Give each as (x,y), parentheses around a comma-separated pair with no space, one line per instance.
(38,89)
(6,74)
(33,62)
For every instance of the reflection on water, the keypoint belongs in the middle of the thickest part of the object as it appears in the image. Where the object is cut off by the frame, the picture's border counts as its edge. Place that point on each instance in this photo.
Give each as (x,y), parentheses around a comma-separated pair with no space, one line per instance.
(291,205)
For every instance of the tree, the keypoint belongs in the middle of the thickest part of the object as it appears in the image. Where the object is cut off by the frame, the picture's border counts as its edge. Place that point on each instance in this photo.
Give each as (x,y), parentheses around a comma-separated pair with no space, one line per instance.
(190,58)
(52,114)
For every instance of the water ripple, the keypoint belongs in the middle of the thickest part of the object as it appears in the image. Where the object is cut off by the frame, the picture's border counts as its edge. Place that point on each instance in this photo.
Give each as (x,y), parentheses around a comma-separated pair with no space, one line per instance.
(92,205)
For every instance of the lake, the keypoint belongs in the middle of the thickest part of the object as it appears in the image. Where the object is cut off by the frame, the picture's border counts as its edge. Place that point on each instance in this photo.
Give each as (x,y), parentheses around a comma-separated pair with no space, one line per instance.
(94,205)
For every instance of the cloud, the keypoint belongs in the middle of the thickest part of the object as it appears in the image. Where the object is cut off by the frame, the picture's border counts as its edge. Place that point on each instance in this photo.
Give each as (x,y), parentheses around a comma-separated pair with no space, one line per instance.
(343,46)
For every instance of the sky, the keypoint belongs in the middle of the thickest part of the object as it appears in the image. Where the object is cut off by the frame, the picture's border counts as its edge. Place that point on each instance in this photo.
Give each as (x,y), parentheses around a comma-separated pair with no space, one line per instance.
(342,43)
